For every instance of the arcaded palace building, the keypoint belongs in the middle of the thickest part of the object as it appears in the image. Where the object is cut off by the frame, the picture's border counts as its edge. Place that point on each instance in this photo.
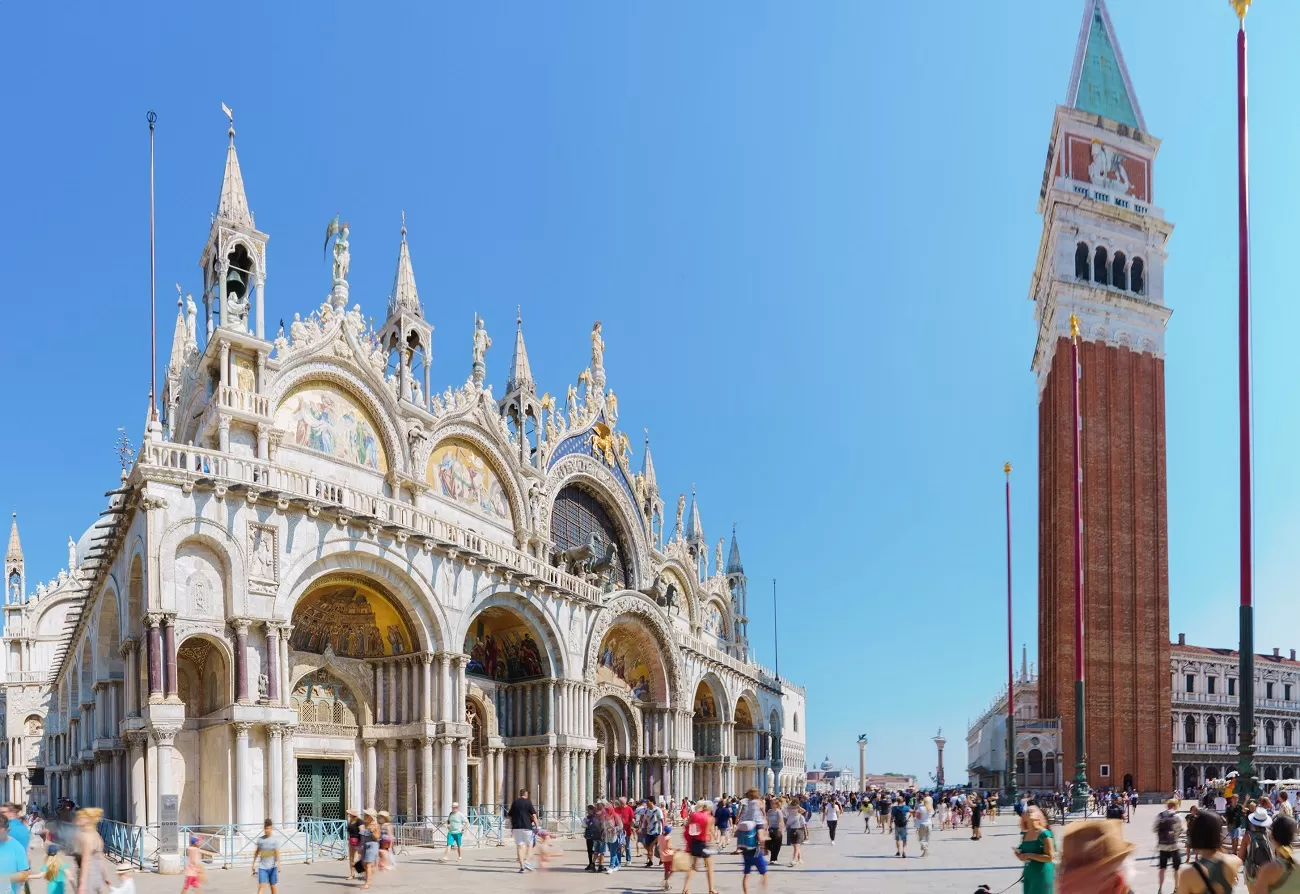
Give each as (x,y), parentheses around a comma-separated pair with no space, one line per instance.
(322,584)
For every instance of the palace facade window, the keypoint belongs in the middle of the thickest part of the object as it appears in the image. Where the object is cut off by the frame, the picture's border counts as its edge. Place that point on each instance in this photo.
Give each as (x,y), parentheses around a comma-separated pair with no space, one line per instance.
(1268,690)
(1211,731)
(1191,683)
(1232,730)
(1288,734)
(1209,684)
(1118,271)
(1137,277)
(1189,728)
(1232,686)
(1286,691)
(1270,733)
(1101,267)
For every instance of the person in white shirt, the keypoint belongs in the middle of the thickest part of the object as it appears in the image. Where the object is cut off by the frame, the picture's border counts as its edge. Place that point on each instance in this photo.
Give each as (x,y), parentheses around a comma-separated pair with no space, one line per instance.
(832,817)
(923,814)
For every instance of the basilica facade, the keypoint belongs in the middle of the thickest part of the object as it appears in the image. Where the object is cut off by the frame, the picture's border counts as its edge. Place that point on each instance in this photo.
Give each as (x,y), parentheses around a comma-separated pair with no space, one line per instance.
(323,584)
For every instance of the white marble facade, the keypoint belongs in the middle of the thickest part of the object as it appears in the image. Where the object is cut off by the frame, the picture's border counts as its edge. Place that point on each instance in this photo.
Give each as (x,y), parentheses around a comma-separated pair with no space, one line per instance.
(324,586)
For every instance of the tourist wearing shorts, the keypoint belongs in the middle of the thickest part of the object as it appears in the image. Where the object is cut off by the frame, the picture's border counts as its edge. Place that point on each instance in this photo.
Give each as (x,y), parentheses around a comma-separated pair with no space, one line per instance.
(523,819)
(796,827)
(923,817)
(266,859)
(1168,828)
(455,832)
(899,814)
(751,836)
(699,832)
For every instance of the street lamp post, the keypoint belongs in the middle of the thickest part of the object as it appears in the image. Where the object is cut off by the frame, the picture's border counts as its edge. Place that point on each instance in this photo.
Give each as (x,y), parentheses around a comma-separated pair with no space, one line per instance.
(939,742)
(1247,782)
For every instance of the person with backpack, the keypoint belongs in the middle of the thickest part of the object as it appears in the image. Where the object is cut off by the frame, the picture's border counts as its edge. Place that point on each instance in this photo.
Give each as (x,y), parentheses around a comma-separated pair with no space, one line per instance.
(1280,875)
(1168,829)
(1214,872)
(751,837)
(1259,849)
(594,835)
(900,814)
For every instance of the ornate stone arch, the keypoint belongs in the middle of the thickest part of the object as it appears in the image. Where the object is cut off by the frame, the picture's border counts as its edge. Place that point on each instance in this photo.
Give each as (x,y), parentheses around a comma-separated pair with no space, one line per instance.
(382,408)
(107,642)
(352,672)
(729,624)
(532,611)
(344,554)
(214,536)
(721,696)
(628,712)
(482,440)
(577,468)
(486,706)
(218,640)
(687,584)
(751,700)
(632,604)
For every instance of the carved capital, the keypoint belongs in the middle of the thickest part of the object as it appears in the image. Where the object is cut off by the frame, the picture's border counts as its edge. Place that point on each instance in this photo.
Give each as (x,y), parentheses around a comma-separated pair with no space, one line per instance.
(240,625)
(426,658)
(154,619)
(277,730)
(241,728)
(370,743)
(164,733)
(129,645)
(134,739)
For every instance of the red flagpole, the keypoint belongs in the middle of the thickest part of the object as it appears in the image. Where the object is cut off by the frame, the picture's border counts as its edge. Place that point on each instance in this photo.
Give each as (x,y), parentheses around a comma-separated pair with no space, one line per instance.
(1080,799)
(1011,678)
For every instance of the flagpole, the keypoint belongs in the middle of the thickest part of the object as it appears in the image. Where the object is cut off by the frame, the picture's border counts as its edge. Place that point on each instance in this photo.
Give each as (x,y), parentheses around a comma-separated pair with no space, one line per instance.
(776,636)
(1011,678)
(1246,727)
(152,117)
(1079,801)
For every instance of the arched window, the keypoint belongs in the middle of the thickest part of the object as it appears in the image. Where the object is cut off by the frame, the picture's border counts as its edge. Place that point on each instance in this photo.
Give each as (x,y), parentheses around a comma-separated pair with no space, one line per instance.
(1081,261)
(1049,765)
(579,520)
(1137,278)
(1100,268)
(1232,730)
(1020,763)
(1288,734)
(1270,732)
(1118,273)
(1035,761)
(1212,730)
(1189,728)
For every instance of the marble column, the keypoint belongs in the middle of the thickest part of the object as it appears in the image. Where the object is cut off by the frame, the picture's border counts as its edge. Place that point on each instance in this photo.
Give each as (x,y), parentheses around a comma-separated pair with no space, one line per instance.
(391,669)
(462,774)
(245,810)
(458,714)
(500,795)
(372,776)
(566,805)
(131,677)
(488,772)
(390,762)
(444,688)
(426,769)
(169,654)
(380,711)
(447,769)
(426,689)
(286,683)
(411,788)
(164,738)
(240,626)
(275,770)
(153,643)
(273,663)
(289,779)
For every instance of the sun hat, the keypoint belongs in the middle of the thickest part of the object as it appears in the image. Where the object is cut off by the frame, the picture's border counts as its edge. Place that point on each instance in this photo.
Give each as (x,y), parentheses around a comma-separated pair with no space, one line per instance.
(369,811)
(1261,818)
(1094,848)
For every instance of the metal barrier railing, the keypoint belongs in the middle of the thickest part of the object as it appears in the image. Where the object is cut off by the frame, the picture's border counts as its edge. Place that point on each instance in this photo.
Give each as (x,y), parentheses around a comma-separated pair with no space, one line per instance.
(310,839)
(137,845)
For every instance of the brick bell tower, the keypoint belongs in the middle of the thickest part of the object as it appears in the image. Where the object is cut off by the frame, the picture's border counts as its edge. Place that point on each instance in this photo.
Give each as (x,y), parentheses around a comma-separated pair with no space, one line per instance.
(1102,258)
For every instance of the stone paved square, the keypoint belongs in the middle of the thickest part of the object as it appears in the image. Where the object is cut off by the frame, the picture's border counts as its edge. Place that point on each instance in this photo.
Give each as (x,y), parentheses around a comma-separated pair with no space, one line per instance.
(858,862)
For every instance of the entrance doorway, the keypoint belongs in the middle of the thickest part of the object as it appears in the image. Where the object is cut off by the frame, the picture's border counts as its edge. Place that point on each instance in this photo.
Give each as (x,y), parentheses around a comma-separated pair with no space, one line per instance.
(471,784)
(320,789)
(1128,782)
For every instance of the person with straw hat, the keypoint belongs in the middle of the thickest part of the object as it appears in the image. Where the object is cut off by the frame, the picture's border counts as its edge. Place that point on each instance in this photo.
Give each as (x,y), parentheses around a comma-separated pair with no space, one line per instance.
(1095,859)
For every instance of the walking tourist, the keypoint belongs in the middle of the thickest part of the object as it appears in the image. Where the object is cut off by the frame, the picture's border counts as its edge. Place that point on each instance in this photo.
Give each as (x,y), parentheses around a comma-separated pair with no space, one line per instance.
(386,836)
(1259,848)
(1168,829)
(864,807)
(625,815)
(523,818)
(666,853)
(195,872)
(13,860)
(775,829)
(1095,859)
(796,825)
(1235,817)
(1284,806)
(612,827)
(266,858)
(699,832)
(722,816)
(751,837)
(1037,850)
(354,843)
(832,817)
(455,832)
(899,814)
(1213,872)
(92,875)
(594,835)
(56,872)
(369,839)
(1280,875)
(923,816)
(1192,813)
(652,821)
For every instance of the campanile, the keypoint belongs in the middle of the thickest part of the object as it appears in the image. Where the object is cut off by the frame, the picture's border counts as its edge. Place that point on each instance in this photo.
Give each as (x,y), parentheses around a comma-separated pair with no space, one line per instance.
(1102,258)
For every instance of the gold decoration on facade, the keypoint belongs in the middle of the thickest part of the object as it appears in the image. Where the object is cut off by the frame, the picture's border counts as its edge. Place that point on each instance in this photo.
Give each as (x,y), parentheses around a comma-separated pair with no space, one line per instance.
(1240,7)
(603,442)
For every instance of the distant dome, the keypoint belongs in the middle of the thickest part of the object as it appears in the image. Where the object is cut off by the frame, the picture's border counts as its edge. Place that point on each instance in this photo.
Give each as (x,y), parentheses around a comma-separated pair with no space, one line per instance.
(826,764)
(95,530)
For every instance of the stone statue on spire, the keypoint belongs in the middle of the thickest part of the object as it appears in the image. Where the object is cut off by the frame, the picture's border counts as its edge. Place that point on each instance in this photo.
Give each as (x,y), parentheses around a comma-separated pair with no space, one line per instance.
(597,356)
(481,343)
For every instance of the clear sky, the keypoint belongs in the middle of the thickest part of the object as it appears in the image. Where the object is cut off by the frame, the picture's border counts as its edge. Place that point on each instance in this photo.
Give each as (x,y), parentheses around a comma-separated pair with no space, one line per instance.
(808,228)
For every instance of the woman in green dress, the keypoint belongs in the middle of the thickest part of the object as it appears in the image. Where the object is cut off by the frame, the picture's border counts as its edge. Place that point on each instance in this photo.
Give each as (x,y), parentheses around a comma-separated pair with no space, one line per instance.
(1037,848)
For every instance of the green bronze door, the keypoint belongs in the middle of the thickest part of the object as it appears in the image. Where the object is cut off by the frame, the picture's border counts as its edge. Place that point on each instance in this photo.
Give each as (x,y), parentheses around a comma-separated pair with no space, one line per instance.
(320,789)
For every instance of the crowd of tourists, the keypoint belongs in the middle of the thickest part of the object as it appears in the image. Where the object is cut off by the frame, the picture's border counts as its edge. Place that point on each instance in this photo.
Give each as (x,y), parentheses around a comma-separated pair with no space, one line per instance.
(61,846)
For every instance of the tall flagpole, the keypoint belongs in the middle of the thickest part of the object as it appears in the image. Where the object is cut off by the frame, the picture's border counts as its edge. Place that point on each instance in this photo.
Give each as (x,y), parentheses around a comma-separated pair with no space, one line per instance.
(1011,678)
(1246,726)
(1079,802)
(153,287)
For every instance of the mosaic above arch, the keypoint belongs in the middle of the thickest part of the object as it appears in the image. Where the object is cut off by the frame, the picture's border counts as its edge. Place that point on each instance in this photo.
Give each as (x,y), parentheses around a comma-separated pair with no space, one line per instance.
(501,646)
(622,663)
(461,474)
(353,620)
(322,417)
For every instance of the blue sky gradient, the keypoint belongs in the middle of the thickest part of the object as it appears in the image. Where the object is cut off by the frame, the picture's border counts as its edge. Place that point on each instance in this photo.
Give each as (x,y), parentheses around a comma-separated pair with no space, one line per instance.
(808,228)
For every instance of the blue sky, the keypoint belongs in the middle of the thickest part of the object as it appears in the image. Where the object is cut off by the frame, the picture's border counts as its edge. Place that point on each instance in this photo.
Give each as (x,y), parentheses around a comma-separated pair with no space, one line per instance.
(808,228)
